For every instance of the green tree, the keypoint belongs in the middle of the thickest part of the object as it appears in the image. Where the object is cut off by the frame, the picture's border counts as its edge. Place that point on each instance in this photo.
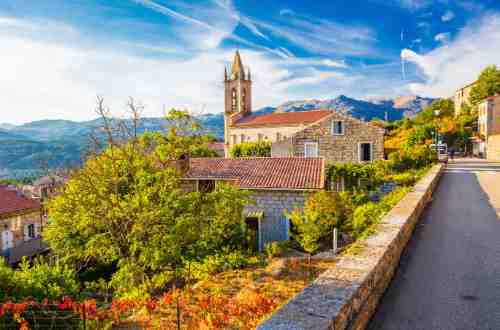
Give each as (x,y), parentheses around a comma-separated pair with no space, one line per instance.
(488,84)
(126,207)
(322,212)
(251,149)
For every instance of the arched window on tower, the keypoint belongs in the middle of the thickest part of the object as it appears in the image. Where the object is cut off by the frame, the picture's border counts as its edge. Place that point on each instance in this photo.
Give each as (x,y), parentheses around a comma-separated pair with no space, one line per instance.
(234,100)
(243,100)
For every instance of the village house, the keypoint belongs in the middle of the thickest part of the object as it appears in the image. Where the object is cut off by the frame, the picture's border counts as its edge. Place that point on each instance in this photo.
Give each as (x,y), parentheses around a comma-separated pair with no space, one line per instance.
(319,133)
(21,223)
(44,187)
(277,186)
(489,127)
(462,97)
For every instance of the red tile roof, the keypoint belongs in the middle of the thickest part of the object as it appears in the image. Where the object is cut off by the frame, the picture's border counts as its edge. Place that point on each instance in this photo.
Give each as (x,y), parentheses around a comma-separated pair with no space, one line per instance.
(291,173)
(283,118)
(12,201)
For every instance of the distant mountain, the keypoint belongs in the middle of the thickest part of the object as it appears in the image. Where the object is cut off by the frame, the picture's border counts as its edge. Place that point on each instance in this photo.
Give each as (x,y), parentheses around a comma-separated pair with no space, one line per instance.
(6,126)
(395,109)
(25,147)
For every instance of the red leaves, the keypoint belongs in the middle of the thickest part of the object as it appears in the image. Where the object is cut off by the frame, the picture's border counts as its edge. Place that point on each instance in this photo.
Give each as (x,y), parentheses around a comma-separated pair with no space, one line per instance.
(199,310)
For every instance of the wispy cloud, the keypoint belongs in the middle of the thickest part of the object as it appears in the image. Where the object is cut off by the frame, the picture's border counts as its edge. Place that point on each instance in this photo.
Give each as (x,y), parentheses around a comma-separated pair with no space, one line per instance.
(448,16)
(448,67)
(442,37)
(322,36)
(204,27)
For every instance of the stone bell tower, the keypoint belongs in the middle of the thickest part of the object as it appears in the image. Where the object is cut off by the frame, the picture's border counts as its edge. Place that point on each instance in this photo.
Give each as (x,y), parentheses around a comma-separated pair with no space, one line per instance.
(237,95)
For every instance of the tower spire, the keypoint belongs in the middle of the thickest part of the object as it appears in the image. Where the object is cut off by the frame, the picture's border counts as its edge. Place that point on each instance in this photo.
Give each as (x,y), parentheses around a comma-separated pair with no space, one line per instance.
(237,68)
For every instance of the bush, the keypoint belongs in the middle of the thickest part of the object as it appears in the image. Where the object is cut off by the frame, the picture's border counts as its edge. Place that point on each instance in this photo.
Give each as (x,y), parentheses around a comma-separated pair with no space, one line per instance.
(412,158)
(39,281)
(216,263)
(366,215)
(405,178)
(251,149)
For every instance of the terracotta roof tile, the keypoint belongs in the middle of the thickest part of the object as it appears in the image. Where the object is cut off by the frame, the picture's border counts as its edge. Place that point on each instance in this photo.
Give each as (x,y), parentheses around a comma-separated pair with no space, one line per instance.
(12,201)
(282,118)
(262,173)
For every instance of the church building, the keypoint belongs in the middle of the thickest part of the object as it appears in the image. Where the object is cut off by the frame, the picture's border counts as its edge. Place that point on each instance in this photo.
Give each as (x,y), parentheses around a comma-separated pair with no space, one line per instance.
(329,134)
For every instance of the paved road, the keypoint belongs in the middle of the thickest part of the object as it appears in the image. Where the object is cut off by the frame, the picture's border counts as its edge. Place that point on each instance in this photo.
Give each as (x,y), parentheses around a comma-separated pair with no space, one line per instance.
(449,275)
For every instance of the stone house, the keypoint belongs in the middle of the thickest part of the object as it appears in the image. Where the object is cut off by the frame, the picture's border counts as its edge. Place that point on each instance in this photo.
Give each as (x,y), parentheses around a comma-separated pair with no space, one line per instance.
(489,128)
(277,186)
(462,97)
(21,223)
(319,133)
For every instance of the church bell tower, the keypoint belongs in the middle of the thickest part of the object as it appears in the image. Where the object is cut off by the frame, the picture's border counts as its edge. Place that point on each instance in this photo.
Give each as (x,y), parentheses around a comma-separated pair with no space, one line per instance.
(237,95)
(237,88)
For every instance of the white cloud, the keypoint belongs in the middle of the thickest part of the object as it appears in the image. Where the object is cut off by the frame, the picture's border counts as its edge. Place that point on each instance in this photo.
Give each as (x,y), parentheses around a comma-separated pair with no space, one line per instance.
(323,36)
(200,26)
(442,37)
(456,63)
(448,16)
(45,79)
(413,4)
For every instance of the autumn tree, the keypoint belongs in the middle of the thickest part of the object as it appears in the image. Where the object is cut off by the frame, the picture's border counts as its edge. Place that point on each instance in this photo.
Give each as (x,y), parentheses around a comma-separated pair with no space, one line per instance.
(126,206)
(488,84)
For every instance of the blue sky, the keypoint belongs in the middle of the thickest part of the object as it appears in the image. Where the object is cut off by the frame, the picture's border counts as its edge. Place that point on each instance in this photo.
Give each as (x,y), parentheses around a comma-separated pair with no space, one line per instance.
(57,55)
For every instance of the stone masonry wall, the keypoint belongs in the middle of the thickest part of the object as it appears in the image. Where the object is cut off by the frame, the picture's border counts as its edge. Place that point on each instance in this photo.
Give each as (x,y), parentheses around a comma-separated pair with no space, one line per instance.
(274,204)
(341,148)
(16,225)
(346,296)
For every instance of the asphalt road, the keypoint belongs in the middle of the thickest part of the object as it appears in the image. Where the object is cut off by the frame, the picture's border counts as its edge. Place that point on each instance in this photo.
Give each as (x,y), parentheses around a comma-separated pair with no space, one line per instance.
(449,274)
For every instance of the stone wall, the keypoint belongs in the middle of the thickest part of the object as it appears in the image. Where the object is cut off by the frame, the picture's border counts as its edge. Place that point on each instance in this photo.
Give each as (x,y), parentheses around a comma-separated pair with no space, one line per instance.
(341,148)
(346,296)
(274,204)
(16,224)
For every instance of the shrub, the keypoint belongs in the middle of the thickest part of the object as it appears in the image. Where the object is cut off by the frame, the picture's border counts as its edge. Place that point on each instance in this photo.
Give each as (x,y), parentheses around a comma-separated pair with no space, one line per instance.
(216,263)
(412,158)
(405,178)
(251,149)
(39,281)
(323,211)
(366,215)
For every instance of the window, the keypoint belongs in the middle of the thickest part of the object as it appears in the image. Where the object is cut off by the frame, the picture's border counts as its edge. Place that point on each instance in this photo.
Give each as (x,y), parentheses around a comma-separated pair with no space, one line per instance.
(29,232)
(338,127)
(234,100)
(365,152)
(242,138)
(311,149)
(233,137)
(243,100)
(259,137)
(278,137)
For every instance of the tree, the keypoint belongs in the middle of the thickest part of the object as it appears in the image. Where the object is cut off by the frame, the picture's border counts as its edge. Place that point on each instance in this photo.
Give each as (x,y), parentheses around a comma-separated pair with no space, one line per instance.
(251,149)
(323,211)
(126,207)
(488,84)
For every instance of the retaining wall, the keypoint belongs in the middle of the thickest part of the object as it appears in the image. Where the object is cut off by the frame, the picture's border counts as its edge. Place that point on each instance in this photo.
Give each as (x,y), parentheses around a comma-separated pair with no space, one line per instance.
(346,296)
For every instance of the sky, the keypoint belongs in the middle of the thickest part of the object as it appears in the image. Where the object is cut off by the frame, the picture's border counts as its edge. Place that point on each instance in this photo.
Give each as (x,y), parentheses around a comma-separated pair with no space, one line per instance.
(57,56)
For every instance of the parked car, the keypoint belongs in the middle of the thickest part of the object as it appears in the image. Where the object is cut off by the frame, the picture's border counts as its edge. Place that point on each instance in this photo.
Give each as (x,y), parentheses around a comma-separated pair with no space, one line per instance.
(442,151)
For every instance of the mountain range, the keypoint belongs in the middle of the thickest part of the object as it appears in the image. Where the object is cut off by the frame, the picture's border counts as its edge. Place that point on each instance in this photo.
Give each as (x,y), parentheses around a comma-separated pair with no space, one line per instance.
(24,148)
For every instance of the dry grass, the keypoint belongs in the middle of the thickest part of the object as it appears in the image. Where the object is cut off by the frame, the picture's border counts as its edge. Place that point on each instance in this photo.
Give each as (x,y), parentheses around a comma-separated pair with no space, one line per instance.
(238,299)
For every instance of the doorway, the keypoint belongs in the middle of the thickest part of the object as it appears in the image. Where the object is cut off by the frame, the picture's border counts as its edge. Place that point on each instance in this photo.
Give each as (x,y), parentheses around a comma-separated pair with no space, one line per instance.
(253,233)
(7,240)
